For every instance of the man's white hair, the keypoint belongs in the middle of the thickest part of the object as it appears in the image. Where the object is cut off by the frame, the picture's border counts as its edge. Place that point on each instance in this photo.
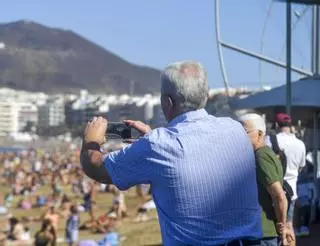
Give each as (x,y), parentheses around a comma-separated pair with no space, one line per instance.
(186,80)
(257,121)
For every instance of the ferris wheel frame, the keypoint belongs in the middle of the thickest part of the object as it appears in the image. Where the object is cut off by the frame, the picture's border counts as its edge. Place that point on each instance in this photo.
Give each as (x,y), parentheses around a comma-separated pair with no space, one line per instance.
(222,44)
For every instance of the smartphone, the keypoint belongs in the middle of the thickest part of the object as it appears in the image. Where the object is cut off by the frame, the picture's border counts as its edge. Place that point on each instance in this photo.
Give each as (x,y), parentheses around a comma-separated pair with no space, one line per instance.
(120,130)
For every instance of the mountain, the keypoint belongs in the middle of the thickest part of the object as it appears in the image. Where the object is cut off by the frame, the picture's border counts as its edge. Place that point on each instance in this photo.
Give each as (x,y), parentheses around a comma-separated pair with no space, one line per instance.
(34,57)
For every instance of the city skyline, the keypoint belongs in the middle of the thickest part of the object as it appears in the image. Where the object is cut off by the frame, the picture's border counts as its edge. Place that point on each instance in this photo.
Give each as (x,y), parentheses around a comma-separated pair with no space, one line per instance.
(23,110)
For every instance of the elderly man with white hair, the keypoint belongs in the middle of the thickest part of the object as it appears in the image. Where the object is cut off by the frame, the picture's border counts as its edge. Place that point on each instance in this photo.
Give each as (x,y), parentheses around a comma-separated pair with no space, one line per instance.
(272,198)
(201,168)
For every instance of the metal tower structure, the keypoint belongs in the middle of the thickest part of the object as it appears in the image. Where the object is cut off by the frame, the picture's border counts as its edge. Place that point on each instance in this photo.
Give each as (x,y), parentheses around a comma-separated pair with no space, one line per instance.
(315,50)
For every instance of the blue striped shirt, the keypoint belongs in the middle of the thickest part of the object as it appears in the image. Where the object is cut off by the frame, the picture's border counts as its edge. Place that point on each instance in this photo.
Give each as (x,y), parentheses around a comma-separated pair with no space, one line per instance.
(202,173)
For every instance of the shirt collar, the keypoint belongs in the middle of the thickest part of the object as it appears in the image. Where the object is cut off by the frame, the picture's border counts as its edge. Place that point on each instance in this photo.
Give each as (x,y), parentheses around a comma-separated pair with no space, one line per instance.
(188,116)
(287,134)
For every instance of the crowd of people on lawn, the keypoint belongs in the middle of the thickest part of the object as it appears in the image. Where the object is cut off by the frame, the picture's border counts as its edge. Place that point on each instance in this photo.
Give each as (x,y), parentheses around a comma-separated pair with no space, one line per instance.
(49,191)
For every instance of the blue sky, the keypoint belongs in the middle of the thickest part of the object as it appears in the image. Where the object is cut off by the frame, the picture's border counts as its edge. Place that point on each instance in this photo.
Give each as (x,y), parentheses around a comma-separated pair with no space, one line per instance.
(157,32)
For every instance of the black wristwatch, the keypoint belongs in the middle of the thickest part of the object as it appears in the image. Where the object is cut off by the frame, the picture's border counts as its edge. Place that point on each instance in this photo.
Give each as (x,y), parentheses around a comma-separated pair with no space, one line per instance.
(93,146)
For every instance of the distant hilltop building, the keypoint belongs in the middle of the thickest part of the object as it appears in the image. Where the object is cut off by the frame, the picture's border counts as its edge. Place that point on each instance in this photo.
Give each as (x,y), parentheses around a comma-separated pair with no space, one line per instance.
(114,107)
(2,45)
(235,91)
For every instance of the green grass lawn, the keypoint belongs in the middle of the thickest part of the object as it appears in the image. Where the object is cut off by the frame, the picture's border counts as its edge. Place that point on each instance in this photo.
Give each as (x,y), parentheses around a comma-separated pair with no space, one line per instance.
(146,233)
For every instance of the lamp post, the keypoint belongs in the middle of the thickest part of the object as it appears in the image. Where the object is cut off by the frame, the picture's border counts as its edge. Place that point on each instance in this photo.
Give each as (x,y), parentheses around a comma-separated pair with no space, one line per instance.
(315,64)
(315,49)
(288,68)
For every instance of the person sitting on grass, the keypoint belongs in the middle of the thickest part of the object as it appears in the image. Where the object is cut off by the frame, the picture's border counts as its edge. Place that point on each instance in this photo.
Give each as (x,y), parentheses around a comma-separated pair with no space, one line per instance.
(41,201)
(118,204)
(102,224)
(52,215)
(46,236)
(143,211)
(25,203)
(147,205)
(16,230)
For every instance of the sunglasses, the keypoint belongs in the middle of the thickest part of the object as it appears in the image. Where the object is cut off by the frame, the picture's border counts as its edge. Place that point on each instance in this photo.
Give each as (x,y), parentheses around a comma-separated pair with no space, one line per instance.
(248,132)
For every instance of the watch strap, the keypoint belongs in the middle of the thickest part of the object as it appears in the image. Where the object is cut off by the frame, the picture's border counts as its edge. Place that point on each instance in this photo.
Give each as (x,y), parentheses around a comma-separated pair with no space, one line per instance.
(93,146)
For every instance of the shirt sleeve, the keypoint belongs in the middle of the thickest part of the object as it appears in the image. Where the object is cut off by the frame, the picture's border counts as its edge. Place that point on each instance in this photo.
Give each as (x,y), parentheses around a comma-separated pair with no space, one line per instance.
(131,166)
(268,169)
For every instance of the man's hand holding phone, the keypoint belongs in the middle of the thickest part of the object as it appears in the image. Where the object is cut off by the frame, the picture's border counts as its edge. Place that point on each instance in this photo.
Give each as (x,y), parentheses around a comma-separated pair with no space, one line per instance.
(141,127)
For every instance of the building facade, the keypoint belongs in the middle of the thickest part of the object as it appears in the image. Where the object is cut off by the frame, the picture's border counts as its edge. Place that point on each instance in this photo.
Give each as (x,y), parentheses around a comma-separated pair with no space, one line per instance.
(28,115)
(9,117)
(52,113)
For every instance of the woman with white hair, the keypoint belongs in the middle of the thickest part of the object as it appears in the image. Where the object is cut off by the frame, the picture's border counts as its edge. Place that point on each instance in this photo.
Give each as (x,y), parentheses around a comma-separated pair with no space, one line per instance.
(272,198)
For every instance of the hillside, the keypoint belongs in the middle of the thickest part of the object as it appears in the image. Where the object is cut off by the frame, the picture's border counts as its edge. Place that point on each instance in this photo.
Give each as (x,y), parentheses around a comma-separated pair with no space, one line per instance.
(38,58)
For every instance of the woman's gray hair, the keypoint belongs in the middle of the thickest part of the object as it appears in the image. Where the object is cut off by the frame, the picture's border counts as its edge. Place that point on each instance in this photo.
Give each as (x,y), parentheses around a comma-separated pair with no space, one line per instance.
(187,82)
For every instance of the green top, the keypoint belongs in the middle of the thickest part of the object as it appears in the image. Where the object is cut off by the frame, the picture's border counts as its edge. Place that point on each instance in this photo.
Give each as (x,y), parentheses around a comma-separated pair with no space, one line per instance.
(269,171)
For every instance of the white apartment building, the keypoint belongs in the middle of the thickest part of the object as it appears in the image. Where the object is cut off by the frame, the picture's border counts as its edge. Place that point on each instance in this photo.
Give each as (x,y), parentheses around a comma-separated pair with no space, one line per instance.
(28,113)
(9,117)
(37,98)
(14,116)
(51,113)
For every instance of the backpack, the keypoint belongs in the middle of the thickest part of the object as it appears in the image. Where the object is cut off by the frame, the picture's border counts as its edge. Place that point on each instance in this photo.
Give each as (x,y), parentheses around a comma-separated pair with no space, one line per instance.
(283,159)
